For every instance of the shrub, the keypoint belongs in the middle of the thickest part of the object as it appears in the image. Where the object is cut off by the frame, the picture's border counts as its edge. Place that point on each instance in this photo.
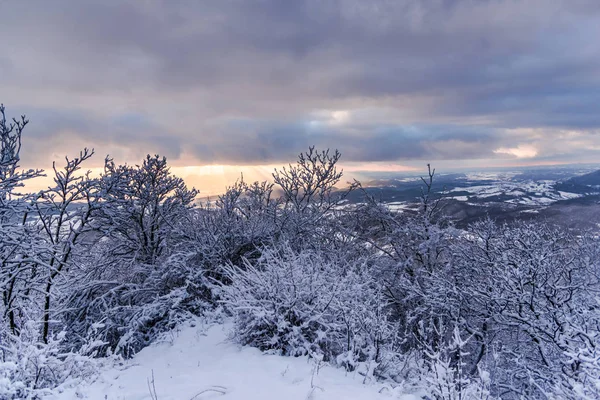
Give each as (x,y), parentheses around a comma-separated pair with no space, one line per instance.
(308,303)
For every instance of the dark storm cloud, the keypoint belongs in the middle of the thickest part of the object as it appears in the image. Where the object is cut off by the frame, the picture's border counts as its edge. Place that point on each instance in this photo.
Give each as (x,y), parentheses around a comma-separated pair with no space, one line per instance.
(266,141)
(67,131)
(456,78)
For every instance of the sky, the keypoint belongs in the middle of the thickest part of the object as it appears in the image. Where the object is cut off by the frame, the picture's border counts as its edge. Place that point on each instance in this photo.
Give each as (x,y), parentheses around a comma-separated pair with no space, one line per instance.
(223,87)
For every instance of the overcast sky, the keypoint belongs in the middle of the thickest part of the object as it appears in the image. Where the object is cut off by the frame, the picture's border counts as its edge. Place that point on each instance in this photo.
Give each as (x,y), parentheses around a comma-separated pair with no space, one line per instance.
(388,83)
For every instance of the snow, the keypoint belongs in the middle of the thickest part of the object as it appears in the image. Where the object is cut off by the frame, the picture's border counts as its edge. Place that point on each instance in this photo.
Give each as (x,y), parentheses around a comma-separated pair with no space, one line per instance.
(196,359)
(543,192)
(567,195)
(531,211)
(398,206)
(487,176)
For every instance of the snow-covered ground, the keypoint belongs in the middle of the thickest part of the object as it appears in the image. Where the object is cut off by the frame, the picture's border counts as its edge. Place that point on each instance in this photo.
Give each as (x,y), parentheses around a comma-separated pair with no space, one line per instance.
(532,193)
(486,176)
(398,206)
(201,363)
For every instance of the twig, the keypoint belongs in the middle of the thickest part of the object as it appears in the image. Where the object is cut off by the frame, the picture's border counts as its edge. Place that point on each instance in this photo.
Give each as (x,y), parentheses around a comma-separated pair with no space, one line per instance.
(313,387)
(152,388)
(219,389)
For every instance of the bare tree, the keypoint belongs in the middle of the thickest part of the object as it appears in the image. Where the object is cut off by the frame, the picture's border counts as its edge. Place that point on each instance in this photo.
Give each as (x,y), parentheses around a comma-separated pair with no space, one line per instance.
(17,239)
(64,212)
(10,149)
(310,197)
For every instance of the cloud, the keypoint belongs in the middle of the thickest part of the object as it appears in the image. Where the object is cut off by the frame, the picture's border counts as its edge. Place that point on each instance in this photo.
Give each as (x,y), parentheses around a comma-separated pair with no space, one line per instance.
(521,151)
(54,133)
(267,141)
(257,82)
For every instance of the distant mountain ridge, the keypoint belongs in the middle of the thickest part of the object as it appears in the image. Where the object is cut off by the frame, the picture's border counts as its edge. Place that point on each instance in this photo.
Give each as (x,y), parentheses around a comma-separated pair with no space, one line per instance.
(585,184)
(591,179)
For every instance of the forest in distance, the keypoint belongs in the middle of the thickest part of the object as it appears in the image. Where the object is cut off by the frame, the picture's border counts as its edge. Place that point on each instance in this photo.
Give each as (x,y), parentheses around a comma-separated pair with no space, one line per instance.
(94,269)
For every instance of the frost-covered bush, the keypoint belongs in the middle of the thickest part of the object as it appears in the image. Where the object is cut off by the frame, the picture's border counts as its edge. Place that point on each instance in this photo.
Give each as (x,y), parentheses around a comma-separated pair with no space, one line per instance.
(529,292)
(446,372)
(233,227)
(580,360)
(30,368)
(126,315)
(308,303)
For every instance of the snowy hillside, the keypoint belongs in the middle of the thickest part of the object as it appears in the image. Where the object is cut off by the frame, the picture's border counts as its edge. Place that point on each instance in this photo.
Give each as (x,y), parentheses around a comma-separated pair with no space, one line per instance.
(516,192)
(201,363)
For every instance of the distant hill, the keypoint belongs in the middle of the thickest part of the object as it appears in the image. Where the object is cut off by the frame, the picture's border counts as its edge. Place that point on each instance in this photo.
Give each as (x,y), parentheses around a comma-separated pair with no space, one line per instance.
(592,179)
(588,183)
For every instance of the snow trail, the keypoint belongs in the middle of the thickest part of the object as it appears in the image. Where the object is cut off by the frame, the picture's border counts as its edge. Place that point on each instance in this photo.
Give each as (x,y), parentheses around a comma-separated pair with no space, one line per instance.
(198,363)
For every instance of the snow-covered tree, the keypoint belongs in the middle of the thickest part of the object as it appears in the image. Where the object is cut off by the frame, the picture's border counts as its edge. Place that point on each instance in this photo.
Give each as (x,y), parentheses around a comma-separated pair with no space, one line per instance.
(411,252)
(136,274)
(310,197)
(63,215)
(16,240)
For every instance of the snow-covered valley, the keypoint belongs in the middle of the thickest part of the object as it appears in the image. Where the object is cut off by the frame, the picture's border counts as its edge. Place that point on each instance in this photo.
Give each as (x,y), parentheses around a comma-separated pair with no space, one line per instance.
(534,193)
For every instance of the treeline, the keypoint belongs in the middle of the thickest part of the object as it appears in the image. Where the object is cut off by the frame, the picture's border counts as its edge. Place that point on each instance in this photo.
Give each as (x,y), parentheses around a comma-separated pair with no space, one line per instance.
(97,267)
